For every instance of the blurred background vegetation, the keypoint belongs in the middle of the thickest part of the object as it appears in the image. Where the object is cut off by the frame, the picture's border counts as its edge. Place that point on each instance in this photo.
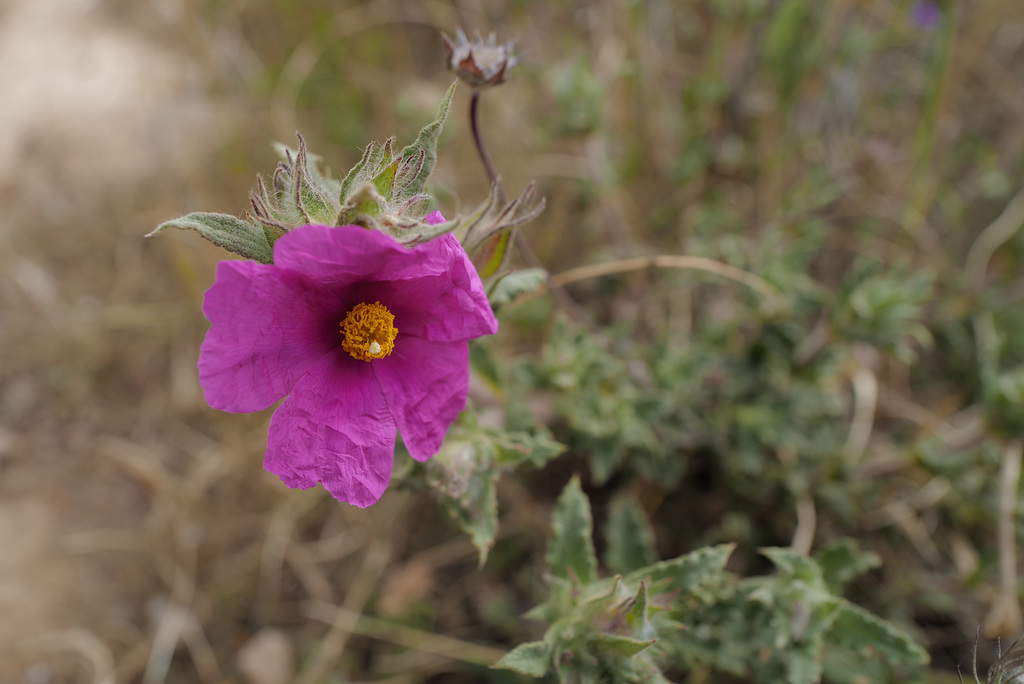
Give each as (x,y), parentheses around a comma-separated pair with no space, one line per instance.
(862,160)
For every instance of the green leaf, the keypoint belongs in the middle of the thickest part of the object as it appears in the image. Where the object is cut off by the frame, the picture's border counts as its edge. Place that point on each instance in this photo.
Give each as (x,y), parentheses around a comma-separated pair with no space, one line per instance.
(494,253)
(531,659)
(613,644)
(687,574)
(637,613)
(359,172)
(312,193)
(464,473)
(795,564)
(426,142)
(841,562)
(229,232)
(804,664)
(517,283)
(484,362)
(385,180)
(630,536)
(571,549)
(363,206)
(526,448)
(859,630)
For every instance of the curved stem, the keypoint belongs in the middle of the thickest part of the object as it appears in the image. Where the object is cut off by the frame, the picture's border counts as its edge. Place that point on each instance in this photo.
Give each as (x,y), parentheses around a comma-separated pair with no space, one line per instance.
(752,281)
(485,157)
(563,298)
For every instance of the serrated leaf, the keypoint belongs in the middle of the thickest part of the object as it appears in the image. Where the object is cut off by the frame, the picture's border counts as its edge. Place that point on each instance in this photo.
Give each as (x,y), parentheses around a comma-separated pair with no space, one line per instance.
(426,142)
(622,646)
(857,629)
(842,561)
(531,659)
(515,284)
(229,232)
(630,537)
(686,574)
(571,550)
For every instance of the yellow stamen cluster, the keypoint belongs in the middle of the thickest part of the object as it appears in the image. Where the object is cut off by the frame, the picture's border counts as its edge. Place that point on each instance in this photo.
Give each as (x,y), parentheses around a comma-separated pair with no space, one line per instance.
(369,331)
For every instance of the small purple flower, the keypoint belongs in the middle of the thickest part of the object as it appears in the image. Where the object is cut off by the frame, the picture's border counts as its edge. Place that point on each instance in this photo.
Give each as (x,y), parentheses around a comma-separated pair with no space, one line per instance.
(925,14)
(364,336)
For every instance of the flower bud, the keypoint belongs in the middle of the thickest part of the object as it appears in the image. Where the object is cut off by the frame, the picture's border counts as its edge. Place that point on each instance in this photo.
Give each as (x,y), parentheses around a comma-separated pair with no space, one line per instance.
(478,63)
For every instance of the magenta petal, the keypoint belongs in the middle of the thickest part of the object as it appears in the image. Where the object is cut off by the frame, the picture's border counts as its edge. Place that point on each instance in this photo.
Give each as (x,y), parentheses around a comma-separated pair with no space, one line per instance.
(348,254)
(268,328)
(425,384)
(335,428)
(444,308)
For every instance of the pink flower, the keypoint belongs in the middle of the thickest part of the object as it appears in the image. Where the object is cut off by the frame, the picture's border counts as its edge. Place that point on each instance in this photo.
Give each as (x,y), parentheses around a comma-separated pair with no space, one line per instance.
(364,336)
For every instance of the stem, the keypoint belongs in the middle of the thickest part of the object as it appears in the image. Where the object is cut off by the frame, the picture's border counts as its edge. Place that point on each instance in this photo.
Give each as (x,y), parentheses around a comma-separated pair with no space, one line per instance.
(563,298)
(1005,617)
(354,622)
(756,283)
(485,157)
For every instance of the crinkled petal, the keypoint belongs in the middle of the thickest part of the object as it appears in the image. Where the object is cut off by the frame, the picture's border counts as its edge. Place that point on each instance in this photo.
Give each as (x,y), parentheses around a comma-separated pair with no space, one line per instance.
(334,428)
(269,326)
(446,307)
(349,254)
(425,384)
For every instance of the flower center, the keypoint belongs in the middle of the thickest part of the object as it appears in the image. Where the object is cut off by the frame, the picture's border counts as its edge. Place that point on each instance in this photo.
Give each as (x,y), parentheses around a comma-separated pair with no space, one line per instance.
(369,331)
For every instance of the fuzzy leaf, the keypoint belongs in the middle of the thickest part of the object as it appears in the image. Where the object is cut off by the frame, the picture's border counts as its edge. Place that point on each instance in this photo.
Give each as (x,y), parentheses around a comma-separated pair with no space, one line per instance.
(358,173)
(426,142)
(490,226)
(517,283)
(686,574)
(229,232)
(363,206)
(531,659)
(859,630)
(637,613)
(465,474)
(804,661)
(615,645)
(795,564)
(630,537)
(324,180)
(424,232)
(571,549)
(842,561)
(526,448)
(385,180)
